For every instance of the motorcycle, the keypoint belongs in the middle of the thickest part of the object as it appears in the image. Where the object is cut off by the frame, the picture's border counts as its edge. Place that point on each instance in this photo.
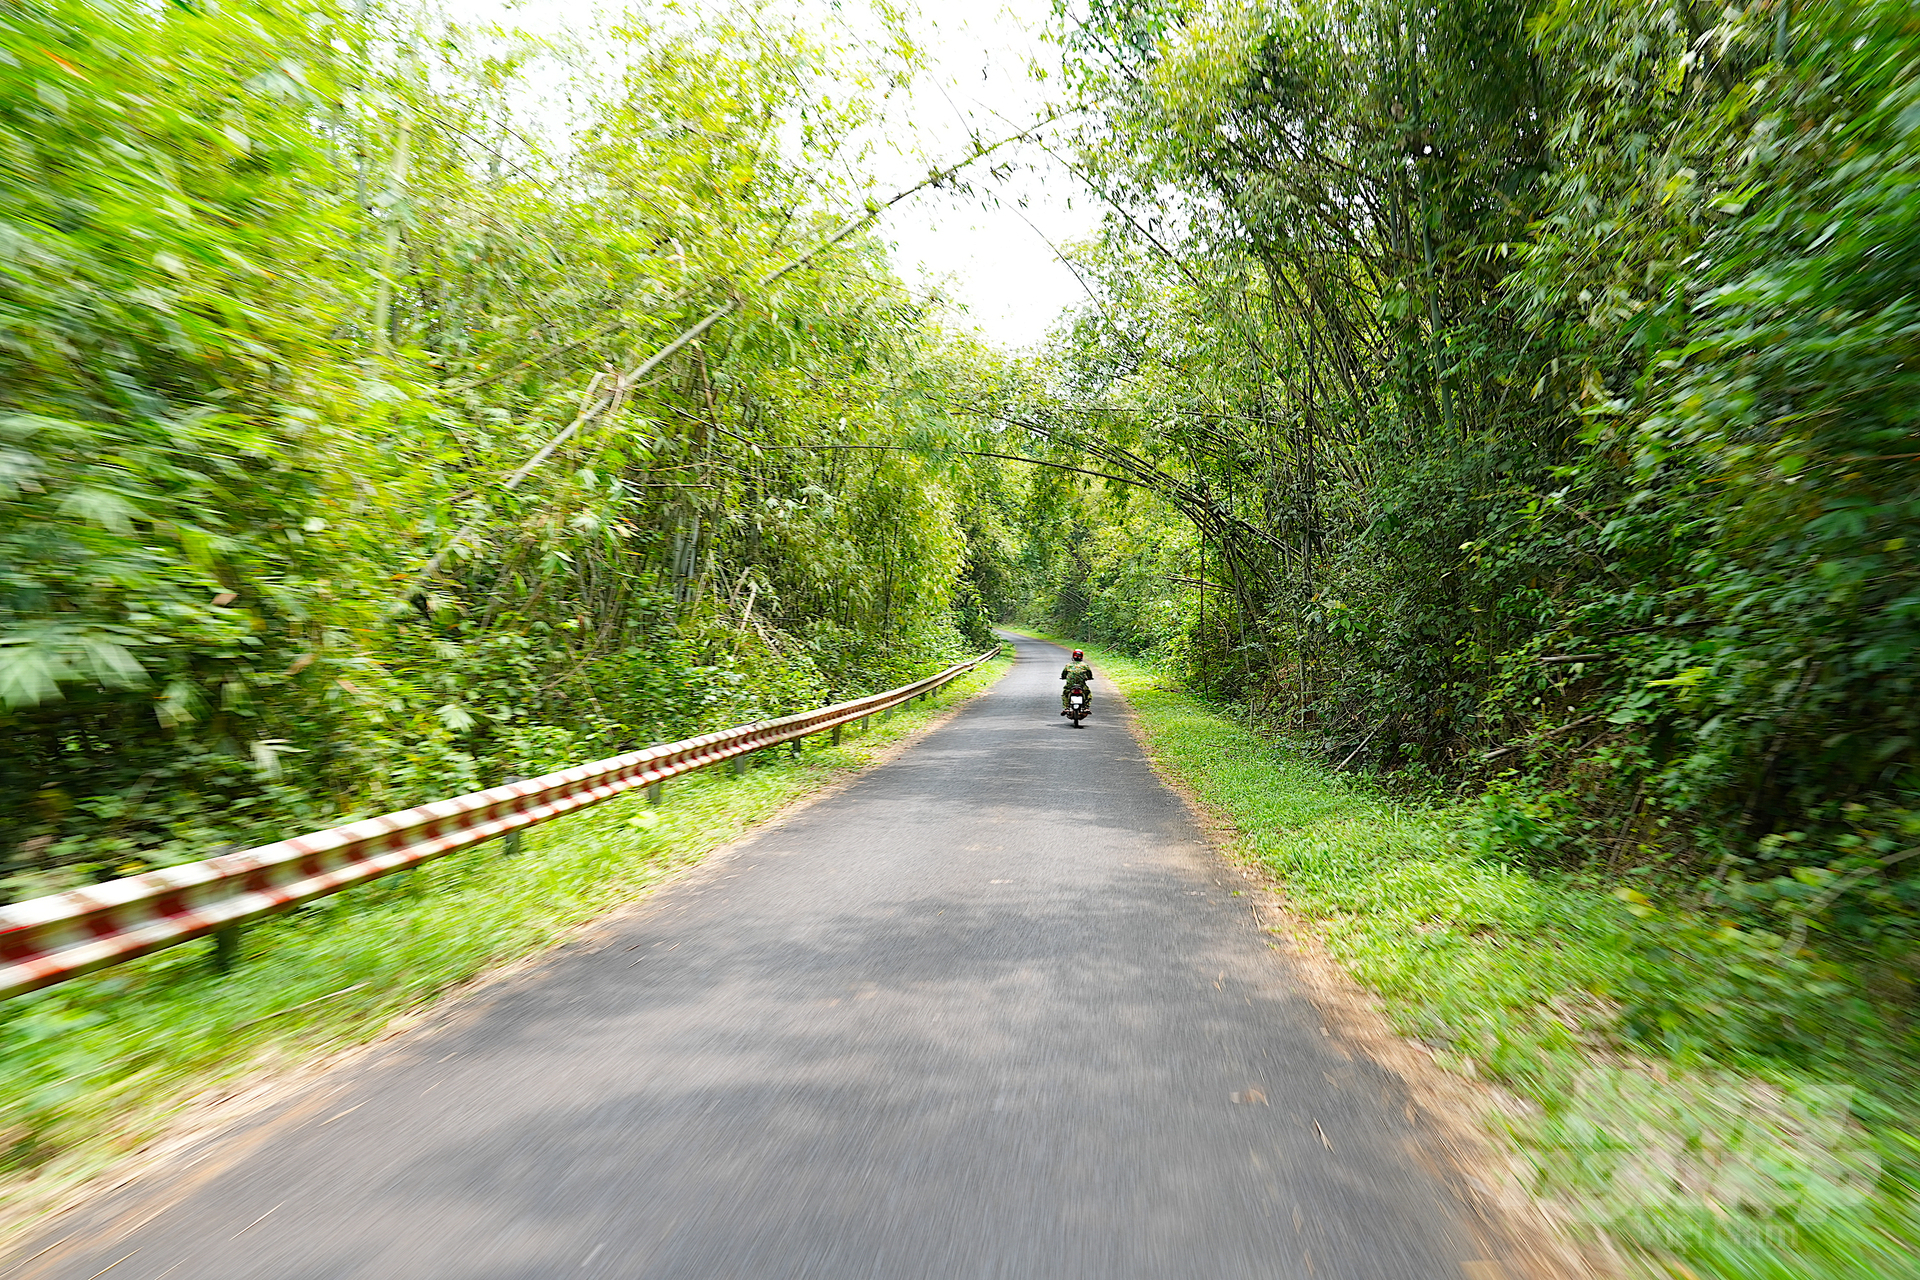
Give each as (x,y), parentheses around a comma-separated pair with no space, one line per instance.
(1076,706)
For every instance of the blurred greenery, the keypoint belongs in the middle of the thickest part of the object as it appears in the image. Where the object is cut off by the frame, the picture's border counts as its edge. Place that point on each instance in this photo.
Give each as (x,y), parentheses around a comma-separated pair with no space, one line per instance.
(291,291)
(1711,1112)
(1514,402)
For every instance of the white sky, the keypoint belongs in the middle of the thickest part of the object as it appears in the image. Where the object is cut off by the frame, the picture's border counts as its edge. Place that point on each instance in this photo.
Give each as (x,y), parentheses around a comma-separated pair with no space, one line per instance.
(993,254)
(988,253)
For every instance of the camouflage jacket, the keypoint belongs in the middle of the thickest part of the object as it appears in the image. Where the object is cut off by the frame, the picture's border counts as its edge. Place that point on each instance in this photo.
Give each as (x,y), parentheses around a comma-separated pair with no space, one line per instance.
(1078,675)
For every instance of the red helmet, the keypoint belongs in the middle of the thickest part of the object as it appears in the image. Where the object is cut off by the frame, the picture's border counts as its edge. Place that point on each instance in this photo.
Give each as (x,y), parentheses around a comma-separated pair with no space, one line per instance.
(1077,655)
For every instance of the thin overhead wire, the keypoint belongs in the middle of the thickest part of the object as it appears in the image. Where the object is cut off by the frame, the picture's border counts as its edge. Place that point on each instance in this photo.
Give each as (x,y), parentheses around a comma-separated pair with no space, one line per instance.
(592,406)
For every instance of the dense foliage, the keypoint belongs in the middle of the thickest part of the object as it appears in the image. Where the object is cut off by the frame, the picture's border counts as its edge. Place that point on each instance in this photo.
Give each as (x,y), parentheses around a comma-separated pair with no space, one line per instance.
(1538,387)
(1521,396)
(299,307)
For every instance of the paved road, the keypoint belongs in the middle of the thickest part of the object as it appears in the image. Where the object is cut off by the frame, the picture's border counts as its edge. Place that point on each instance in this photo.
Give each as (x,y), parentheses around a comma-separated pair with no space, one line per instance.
(982,1014)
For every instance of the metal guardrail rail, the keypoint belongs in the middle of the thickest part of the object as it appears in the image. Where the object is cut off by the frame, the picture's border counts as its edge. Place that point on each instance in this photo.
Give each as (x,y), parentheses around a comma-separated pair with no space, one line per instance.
(49,940)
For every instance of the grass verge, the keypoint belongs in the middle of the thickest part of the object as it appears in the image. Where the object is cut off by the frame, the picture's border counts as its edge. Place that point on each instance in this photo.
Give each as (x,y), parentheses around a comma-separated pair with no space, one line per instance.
(1713,1162)
(93,1070)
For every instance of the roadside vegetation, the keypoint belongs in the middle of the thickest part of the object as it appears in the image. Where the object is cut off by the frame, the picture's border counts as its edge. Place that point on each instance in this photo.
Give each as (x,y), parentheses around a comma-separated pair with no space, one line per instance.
(323,489)
(1706,1155)
(1509,406)
(327,485)
(1522,394)
(97,1068)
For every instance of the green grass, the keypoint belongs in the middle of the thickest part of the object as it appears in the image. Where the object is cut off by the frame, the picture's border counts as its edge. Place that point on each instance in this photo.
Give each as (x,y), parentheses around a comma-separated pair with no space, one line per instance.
(1712,1162)
(93,1069)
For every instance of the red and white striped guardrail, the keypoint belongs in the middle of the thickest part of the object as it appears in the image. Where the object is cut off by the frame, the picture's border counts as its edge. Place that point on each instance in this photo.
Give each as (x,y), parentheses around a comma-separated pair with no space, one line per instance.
(48,940)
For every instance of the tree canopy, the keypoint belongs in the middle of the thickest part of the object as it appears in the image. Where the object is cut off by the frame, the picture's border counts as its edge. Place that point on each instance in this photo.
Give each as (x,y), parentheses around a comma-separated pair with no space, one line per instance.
(1536,383)
(327,486)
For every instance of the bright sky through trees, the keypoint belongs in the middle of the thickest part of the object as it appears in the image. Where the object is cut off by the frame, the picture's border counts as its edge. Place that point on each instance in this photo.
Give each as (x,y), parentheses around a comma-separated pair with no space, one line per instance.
(992,252)
(998,259)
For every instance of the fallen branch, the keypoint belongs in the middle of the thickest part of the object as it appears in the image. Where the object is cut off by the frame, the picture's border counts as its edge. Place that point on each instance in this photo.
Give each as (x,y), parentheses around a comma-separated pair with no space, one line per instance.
(591,405)
(1569,727)
(1799,936)
(1363,744)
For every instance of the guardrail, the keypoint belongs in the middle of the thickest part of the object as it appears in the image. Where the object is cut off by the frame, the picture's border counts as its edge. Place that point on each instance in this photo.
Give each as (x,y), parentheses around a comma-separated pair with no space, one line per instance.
(45,941)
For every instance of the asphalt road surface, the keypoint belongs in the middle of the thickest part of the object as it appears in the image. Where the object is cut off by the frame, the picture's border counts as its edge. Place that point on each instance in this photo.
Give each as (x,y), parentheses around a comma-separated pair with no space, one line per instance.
(989,1012)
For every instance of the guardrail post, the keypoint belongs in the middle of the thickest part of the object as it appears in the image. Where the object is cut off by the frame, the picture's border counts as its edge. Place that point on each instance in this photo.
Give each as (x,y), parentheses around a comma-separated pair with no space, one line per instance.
(653,792)
(738,764)
(226,948)
(797,748)
(512,844)
(836,735)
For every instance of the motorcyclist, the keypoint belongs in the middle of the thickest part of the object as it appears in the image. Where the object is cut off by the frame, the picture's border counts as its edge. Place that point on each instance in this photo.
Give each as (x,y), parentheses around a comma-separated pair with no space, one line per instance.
(1078,675)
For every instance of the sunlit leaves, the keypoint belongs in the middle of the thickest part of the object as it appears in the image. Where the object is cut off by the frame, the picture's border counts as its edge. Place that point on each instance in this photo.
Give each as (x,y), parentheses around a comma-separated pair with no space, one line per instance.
(1514,329)
(289,295)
